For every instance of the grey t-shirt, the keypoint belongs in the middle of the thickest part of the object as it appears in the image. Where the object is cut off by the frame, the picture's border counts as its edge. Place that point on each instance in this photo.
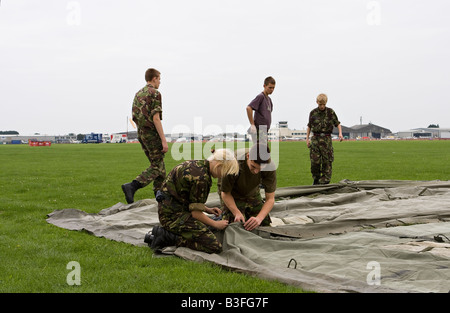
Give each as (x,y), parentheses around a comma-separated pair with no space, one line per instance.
(263,108)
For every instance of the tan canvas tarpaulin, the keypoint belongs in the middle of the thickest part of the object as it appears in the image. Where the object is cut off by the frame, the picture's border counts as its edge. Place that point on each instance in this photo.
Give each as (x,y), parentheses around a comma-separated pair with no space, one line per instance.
(365,236)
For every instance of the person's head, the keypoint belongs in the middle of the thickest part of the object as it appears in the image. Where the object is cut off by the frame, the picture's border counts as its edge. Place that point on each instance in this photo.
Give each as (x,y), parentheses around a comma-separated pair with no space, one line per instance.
(258,156)
(322,100)
(269,85)
(222,163)
(153,77)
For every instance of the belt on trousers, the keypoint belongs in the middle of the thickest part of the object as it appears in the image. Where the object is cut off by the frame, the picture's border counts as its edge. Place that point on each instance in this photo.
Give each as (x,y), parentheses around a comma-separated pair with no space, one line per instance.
(321,134)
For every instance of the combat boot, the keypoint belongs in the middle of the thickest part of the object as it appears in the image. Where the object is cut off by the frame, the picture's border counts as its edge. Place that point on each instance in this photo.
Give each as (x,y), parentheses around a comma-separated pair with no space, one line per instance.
(129,189)
(160,238)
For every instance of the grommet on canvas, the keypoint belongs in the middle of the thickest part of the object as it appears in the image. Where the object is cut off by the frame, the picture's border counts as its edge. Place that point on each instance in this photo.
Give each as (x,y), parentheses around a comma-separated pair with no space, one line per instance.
(295,263)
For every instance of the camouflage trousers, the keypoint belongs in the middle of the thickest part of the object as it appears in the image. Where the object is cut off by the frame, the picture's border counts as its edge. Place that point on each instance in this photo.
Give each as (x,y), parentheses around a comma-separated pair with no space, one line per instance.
(156,172)
(322,156)
(192,233)
(249,208)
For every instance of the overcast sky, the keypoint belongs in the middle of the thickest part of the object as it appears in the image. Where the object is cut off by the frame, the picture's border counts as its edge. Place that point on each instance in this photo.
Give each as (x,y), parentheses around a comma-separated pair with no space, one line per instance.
(75,66)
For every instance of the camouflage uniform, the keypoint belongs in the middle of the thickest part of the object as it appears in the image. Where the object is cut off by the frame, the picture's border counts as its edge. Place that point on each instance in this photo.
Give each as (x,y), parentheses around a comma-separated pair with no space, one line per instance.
(245,189)
(187,187)
(321,124)
(146,104)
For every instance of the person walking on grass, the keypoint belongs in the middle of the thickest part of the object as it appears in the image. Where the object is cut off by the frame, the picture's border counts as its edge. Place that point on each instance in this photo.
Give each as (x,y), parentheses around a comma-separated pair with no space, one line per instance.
(321,122)
(147,114)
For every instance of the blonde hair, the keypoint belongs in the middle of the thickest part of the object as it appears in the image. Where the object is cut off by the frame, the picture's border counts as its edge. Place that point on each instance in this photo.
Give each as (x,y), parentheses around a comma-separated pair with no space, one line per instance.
(226,159)
(322,99)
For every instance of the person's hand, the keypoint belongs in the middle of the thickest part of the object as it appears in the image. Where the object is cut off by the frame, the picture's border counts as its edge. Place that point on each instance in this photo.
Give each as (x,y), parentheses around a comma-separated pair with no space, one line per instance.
(215,211)
(341,137)
(239,218)
(252,129)
(308,143)
(165,147)
(252,223)
(221,225)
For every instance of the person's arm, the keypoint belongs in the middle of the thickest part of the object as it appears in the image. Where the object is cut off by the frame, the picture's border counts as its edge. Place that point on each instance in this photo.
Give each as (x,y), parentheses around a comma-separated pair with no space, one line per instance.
(197,199)
(159,129)
(250,119)
(200,216)
(340,132)
(253,221)
(308,132)
(231,205)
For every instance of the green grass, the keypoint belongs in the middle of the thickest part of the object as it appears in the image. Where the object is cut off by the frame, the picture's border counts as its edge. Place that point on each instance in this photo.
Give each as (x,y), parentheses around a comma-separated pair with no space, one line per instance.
(35,181)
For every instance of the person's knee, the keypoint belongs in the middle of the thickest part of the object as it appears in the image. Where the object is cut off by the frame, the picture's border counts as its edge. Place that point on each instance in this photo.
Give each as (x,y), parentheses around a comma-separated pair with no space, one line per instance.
(214,248)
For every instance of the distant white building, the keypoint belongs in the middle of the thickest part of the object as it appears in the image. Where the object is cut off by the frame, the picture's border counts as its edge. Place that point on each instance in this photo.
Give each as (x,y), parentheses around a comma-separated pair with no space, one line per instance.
(183,137)
(283,132)
(7,139)
(425,133)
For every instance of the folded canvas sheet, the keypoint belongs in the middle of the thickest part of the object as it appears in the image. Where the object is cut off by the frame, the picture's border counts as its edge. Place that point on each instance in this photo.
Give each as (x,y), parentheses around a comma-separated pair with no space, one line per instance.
(345,263)
(342,237)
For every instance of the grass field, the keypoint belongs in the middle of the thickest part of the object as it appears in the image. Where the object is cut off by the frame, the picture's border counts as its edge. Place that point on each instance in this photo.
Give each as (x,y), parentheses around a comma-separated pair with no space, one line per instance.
(35,181)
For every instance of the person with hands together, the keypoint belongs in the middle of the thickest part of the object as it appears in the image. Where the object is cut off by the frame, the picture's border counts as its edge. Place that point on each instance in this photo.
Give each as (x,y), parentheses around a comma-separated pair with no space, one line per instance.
(240,194)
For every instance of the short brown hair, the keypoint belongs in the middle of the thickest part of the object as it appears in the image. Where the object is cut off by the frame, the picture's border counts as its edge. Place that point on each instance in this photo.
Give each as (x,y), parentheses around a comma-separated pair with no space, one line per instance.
(150,74)
(269,80)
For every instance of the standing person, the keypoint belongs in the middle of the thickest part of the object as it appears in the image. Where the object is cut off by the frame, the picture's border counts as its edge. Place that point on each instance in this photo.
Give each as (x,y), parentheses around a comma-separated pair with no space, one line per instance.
(262,118)
(181,203)
(321,122)
(240,195)
(147,114)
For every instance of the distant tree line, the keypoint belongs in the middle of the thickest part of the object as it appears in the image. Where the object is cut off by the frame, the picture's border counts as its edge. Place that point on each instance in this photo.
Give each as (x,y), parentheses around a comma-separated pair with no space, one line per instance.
(8,132)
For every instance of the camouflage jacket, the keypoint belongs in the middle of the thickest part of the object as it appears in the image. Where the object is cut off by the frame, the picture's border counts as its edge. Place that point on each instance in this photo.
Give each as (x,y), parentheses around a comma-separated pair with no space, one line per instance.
(189,183)
(323,121)
(146,104)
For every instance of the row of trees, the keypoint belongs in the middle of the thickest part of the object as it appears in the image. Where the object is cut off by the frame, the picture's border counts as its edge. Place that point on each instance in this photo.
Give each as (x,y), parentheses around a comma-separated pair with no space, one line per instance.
(81,136)
(9,132)
(14,132)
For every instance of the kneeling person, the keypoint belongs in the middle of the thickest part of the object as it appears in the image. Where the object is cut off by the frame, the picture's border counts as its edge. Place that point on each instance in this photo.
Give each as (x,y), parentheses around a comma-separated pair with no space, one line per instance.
(240,195)
(182,200)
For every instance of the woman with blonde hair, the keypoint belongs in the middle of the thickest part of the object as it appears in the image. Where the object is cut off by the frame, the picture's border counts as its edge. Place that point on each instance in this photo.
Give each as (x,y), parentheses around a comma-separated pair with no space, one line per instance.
(181,204)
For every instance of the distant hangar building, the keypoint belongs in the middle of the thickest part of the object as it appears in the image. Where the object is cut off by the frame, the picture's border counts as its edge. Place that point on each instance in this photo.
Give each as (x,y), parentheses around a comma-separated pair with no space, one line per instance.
(429,133)
(370,131)
(362,131)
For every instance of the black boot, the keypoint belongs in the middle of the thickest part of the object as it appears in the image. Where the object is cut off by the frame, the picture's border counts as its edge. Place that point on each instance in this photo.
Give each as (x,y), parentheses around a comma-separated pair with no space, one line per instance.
(129,190)
(160,238)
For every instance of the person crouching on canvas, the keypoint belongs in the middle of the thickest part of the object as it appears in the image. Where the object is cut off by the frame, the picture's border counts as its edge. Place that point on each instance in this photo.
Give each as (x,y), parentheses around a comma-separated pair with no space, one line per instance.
(181,204)
(240,195)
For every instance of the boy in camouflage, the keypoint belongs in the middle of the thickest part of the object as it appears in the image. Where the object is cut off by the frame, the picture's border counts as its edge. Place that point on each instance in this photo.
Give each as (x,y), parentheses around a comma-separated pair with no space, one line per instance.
(240,195)
(147,114)
(321,123)
(181,204)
